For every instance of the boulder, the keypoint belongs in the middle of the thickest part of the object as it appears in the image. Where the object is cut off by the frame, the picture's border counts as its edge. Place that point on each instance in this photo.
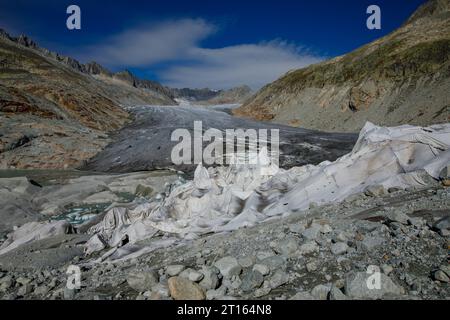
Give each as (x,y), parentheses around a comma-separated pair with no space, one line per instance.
(184,289)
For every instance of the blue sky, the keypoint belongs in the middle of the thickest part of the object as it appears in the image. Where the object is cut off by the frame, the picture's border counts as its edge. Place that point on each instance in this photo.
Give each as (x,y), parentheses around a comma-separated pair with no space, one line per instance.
(204,43)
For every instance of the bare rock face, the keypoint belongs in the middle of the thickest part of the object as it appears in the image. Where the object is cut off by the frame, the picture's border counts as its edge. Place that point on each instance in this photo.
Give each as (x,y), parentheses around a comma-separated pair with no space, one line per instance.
(401,78)
(56,112)
(184,289)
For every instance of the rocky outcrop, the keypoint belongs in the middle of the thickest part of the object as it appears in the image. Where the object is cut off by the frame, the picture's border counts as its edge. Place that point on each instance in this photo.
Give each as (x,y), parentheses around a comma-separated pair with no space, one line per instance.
(154,92)
(401,78)
(194,94)
(233,95)
(213,97)
(54,113)
(147,85)
(94,68)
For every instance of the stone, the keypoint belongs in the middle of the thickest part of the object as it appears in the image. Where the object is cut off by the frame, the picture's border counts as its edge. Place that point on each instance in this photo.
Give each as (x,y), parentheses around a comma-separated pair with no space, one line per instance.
(217,294)
(274,262)
(339,248)
(41,290)
(184,289)
(191,274)
(442,224)
(251,280)
(23,280)
(144,280)
(358,285)
(375,191)
(445,173)
(297,228)
(326,228)
(309,247)
(69,294)
(25,290)
(6,282)
(441,276)
(261,255)
(246,262)
(387,269)
(446,269)
(261,292)
(228,266)
(174,270)
(399,217)
(416,222)
(365,226)
(341,237)
(372,242)
(278,279)
(302,296)
(312,232)
(210,278)
(261,268)
(144,191)
(311,266)
(394,190)
(160,290)
(320,292)
(195,276)
(287,247)
(337,294)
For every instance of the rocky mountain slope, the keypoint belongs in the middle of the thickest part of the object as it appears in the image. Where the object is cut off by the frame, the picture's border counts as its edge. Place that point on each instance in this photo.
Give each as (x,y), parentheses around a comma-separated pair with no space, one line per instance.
(213,97)
(233,95)
(53,112)
(403,77)
(194,94)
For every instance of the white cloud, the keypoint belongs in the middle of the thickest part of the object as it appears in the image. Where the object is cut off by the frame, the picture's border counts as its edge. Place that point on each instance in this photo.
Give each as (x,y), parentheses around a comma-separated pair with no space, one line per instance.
(251,64)
(146,45)
(191,65)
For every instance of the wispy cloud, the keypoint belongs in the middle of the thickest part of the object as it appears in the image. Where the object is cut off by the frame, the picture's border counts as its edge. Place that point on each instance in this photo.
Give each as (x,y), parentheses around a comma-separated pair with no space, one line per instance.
(150,44)
(191,65)
(251,64)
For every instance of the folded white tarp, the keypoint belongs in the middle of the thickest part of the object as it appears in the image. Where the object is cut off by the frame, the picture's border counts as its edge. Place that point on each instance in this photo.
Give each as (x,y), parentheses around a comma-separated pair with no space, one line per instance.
(34,231)
(227,198)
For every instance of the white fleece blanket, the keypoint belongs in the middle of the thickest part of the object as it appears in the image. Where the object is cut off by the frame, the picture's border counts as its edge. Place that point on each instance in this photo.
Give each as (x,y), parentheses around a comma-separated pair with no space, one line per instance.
(227,198)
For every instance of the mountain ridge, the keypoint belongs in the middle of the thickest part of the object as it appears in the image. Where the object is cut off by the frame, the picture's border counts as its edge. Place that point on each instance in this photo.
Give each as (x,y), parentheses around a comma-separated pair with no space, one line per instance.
(400,78)
(53,113)
(165,94)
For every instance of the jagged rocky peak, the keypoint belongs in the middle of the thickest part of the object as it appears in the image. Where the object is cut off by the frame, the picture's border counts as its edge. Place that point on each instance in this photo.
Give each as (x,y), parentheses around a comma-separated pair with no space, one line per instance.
(4,34)
(27,41)
(126,76)
(95,68)
(431,9)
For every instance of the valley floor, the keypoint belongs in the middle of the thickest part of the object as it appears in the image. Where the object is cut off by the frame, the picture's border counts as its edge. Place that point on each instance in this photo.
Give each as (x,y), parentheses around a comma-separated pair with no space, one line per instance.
(321,253)
(398,235)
